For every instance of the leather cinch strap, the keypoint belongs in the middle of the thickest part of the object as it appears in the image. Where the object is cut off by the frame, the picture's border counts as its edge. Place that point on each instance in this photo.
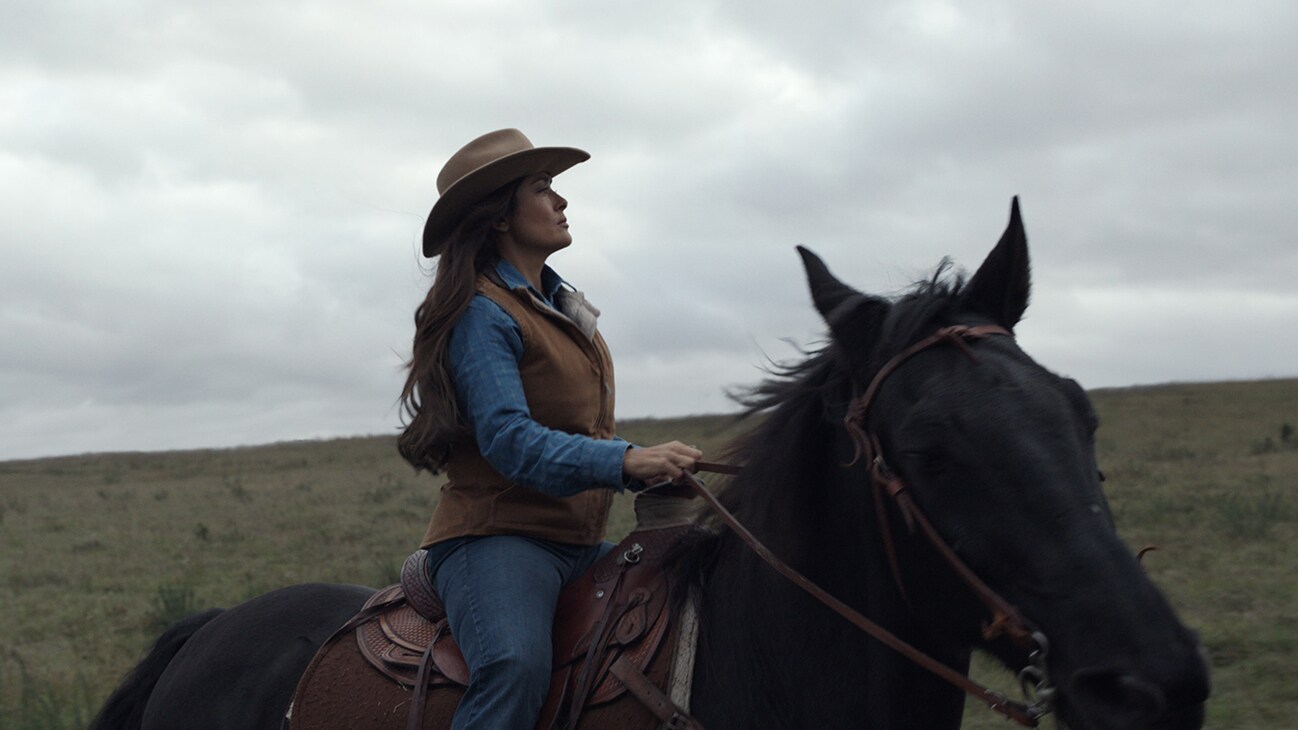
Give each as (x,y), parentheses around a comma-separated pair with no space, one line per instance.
(672,717)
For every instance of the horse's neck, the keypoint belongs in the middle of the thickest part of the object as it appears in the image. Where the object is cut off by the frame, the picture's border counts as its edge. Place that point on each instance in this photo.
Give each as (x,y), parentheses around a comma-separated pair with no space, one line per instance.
(771,656)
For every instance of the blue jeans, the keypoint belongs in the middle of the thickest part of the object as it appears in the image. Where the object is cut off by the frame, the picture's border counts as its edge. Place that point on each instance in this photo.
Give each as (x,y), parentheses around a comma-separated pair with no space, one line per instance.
(500,593)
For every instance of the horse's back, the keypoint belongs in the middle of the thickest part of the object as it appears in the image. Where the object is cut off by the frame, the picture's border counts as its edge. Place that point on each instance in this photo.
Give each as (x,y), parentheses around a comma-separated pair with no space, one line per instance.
(239,670)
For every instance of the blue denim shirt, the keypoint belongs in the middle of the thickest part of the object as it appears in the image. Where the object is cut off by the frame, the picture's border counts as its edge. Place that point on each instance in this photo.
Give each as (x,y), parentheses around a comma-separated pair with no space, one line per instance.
(483,354)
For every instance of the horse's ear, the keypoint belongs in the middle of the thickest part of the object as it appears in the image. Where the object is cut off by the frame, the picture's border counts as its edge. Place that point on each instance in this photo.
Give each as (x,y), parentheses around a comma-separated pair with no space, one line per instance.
(1000,288)
(854,318)
(826,290)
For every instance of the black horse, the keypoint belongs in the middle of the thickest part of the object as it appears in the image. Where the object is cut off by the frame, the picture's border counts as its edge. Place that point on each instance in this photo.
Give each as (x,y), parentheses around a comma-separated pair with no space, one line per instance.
(996,450)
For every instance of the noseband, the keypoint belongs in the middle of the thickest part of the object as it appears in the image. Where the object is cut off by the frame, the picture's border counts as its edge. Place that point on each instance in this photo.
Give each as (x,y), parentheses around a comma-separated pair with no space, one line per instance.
(1005,619)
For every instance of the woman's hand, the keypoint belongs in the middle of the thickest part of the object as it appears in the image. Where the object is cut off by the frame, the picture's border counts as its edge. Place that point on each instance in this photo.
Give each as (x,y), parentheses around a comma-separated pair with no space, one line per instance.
(654,465)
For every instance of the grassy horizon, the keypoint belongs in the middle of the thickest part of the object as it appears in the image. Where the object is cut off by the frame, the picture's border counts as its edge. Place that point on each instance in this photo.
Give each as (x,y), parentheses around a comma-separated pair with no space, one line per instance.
(102,550)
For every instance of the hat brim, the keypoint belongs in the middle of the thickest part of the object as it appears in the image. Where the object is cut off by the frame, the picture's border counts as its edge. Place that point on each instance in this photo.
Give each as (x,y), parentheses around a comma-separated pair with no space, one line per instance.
(471,188)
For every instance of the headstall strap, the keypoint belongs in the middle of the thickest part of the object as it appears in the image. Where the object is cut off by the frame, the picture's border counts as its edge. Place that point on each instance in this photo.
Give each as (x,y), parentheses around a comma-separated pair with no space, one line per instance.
(1006,620)
(957,334)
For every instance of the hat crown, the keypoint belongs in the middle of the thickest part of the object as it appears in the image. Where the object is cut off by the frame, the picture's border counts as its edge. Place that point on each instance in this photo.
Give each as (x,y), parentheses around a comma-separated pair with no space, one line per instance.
(480,152)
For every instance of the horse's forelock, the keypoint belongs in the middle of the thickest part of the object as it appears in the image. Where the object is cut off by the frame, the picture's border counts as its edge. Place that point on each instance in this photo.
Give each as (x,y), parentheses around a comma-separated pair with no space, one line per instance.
(929,304)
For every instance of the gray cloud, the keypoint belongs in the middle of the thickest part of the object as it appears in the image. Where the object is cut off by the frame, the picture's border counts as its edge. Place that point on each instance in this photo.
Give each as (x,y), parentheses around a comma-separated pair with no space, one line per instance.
(212,213)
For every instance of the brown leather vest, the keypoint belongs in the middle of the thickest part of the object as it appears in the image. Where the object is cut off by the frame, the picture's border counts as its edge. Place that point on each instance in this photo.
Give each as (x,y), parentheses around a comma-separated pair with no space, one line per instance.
(568,381)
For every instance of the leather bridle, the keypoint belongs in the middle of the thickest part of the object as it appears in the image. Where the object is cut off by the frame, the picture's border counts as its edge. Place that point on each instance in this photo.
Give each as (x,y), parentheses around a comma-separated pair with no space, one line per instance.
(1005,618)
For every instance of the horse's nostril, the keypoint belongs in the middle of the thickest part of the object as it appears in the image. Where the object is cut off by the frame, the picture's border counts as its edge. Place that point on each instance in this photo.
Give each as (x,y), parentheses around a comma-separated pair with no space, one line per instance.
(1122,700)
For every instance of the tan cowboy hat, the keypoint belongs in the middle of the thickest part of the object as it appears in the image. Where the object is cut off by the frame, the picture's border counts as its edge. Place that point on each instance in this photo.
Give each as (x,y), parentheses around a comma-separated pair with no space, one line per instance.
(480,167)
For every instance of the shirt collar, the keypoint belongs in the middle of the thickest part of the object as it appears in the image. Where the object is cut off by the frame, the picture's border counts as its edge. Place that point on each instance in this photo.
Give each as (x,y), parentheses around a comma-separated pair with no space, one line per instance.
(551,282)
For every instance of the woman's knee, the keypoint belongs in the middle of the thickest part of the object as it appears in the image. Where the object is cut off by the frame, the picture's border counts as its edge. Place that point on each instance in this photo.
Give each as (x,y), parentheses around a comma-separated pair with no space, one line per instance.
(520,667)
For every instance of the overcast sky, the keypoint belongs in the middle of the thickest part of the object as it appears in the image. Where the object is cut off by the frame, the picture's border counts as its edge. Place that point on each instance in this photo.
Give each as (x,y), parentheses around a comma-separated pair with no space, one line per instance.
(211,211)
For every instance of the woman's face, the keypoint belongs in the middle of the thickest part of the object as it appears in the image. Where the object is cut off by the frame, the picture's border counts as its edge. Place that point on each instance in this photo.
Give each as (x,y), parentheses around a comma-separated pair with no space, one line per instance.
(538,222)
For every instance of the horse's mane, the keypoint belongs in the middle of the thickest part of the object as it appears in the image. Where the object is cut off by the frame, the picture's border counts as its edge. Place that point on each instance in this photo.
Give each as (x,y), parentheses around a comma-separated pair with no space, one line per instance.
(799,405)
(790,494)
(821,381)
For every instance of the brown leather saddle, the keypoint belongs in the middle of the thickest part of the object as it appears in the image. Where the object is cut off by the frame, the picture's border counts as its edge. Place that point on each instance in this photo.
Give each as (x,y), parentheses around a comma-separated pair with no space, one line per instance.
(610,622)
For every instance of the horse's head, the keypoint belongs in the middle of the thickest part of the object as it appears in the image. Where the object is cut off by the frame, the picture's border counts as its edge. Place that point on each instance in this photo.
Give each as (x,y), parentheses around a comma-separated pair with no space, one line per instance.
(998,452)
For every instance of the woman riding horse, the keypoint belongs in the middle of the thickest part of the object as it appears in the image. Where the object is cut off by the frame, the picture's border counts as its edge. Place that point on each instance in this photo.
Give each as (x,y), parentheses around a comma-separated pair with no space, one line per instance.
(510,390)
(972,438)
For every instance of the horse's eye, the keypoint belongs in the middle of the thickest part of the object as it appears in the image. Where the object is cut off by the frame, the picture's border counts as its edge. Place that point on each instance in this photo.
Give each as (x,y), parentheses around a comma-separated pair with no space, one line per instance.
(924,463)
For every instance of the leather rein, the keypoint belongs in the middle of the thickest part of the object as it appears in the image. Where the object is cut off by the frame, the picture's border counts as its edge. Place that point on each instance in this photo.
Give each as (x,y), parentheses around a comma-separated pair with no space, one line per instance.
(1006,620)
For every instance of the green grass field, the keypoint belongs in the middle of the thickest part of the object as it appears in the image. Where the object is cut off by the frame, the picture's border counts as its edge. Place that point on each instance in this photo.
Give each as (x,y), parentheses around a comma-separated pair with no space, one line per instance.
(101,551)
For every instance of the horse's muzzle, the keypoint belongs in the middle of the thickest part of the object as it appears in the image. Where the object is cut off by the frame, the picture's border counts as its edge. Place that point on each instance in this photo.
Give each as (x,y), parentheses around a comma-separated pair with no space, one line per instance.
(1116,699)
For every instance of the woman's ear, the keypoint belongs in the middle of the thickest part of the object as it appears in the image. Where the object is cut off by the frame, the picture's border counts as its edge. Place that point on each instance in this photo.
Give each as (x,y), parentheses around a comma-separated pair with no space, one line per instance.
(501,225)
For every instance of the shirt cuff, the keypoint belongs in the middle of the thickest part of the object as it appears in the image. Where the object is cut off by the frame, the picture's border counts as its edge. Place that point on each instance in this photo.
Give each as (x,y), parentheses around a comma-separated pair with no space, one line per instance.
(606,464)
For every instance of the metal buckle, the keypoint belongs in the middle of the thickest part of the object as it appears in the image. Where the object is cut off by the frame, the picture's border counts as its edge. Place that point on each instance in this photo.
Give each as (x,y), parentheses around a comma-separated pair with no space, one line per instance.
(1034,680)
(631,555)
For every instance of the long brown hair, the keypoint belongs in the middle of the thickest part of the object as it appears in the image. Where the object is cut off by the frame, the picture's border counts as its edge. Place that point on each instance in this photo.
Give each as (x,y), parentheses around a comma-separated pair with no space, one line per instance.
(430,415)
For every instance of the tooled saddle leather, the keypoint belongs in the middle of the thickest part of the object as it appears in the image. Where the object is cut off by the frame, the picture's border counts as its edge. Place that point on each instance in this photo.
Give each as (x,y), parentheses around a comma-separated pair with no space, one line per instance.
(618,610)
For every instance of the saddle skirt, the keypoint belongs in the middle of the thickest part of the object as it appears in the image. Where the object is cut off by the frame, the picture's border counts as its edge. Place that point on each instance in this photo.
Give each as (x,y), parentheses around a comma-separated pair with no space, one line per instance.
(619,609)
